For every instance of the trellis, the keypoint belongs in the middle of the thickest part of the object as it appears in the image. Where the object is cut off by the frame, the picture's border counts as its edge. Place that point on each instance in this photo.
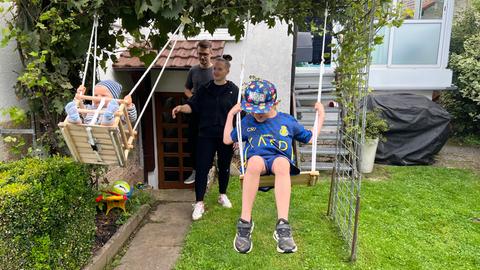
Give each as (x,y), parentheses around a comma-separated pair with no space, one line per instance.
(344,198)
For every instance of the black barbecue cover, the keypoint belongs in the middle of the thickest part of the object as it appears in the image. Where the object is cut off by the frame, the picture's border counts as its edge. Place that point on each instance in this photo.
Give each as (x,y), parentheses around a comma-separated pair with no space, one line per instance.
(418,130)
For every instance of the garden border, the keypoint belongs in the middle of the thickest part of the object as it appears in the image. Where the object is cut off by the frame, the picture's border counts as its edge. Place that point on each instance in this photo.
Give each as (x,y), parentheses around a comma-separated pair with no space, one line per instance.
(116,242)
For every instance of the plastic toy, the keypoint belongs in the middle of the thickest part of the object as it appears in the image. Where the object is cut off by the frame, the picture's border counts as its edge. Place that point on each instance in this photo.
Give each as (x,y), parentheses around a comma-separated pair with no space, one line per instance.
(116,196)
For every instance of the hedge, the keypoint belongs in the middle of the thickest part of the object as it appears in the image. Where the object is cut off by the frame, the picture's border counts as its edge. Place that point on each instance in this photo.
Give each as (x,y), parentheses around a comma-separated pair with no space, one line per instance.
(47,214)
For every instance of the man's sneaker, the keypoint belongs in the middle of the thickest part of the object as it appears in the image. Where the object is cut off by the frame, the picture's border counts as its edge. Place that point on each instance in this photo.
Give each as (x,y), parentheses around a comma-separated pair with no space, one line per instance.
(198,210)
(243,239)
(283,236)
(224,201)
(190,179)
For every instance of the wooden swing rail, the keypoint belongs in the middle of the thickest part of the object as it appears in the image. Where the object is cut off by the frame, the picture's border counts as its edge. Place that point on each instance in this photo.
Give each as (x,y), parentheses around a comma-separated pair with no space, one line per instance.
(80,97)
(304,178)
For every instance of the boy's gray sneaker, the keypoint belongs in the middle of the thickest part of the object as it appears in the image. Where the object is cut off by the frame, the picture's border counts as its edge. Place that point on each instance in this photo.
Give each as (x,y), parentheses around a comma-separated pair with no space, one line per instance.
(283,236)
(243,239)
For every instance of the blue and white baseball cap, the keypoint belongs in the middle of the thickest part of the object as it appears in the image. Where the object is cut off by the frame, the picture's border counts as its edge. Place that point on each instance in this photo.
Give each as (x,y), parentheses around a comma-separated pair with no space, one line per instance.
(258,96)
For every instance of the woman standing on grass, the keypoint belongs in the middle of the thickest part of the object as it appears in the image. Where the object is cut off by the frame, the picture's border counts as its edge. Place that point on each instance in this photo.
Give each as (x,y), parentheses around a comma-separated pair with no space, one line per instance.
(212,102)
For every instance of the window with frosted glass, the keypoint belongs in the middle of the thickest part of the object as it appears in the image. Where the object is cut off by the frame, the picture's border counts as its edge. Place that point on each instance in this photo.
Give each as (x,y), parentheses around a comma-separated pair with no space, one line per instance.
(380,52)
(416,44)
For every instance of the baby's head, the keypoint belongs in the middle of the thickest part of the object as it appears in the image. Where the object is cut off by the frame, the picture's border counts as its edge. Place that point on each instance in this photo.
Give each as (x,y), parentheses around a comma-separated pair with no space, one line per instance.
(259,98)
(107,89)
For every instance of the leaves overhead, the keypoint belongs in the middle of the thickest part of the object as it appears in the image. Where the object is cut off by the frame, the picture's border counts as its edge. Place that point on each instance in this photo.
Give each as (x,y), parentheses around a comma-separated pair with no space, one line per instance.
(57,32)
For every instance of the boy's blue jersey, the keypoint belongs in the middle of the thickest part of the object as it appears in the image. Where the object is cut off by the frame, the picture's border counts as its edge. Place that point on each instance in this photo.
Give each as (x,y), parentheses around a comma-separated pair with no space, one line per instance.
(272,137)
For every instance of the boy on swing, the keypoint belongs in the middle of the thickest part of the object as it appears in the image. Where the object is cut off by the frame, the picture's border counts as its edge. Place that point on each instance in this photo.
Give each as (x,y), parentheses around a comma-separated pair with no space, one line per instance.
(269,137)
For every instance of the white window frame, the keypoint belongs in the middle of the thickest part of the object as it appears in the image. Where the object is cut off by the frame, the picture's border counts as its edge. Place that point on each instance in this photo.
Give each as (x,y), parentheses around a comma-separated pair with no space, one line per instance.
(444,40)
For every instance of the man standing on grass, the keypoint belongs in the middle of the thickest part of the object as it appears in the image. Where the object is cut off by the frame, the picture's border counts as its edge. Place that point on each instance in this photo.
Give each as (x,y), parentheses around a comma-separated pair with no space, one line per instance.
(197,76)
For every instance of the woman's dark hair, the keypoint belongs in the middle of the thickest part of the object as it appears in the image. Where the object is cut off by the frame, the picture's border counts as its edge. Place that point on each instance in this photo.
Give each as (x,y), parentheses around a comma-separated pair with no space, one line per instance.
(226,58)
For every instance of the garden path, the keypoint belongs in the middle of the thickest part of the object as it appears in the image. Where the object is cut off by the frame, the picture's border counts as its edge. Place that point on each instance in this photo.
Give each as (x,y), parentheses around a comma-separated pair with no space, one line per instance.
(158,243)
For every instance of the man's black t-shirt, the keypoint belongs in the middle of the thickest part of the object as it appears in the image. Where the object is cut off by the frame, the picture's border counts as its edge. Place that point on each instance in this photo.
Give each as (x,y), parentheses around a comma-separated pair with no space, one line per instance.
(198,76)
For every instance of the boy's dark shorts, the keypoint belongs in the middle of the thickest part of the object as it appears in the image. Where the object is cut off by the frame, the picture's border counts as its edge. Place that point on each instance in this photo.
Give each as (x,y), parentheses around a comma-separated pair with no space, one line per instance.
(268,160)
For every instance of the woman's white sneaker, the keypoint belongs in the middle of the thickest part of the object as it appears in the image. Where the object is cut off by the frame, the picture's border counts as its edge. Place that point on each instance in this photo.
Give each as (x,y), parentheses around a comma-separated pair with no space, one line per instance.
(198,210)
(224,201)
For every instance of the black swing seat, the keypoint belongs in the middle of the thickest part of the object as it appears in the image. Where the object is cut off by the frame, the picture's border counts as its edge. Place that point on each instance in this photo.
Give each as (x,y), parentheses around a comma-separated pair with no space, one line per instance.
(309,178)
(97,144)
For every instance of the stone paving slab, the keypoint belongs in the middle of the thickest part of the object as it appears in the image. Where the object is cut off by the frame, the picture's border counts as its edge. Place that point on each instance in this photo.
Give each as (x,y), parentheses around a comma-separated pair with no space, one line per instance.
(158,244)
(172,213)
(159,258)
(174,195)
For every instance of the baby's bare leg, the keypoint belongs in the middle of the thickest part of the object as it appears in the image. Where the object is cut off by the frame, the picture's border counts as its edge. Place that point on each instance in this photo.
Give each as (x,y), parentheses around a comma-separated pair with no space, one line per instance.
(251,180)
(283,186)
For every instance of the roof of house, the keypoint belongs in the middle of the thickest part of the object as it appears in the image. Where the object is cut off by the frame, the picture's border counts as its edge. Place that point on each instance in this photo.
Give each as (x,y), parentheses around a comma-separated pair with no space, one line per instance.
(183,56)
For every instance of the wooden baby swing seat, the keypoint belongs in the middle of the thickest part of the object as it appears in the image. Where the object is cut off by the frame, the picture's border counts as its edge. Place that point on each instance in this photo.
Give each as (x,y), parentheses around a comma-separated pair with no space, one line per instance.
(97,144)
(101,144)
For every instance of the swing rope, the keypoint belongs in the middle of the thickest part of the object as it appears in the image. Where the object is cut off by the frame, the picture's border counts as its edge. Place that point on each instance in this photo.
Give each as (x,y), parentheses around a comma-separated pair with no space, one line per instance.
(319,98)
(93,41)
(180,29)
(319,94)
(239,98)
(89,52)
(94,75)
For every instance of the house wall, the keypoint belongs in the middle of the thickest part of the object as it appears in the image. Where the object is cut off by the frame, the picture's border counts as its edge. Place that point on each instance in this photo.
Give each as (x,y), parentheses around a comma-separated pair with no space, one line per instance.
(10,65)
(274,67)
(269,56)
(171,81)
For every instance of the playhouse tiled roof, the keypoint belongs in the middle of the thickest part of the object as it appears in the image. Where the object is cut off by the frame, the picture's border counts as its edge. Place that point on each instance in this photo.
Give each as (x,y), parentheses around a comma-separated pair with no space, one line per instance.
(183,57)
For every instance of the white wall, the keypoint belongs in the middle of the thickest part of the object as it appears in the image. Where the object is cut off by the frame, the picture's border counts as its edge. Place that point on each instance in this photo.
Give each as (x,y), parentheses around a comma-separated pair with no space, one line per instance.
(171,81)
(269,56)
(10,64)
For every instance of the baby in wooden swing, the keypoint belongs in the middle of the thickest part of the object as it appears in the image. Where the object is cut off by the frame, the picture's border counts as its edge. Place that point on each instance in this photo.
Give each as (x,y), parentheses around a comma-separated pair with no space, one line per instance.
(108,89)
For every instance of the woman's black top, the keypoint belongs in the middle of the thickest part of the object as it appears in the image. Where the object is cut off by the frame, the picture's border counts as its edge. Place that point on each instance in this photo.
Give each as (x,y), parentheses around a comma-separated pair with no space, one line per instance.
(211,103)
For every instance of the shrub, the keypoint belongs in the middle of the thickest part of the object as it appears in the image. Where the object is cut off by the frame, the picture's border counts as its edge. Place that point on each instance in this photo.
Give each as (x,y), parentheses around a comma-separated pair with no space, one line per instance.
(375,126)
(47,214)
(464,104)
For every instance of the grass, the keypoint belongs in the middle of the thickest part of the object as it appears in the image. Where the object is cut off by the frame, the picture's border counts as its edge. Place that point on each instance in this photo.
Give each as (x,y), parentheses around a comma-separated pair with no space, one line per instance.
(418,218)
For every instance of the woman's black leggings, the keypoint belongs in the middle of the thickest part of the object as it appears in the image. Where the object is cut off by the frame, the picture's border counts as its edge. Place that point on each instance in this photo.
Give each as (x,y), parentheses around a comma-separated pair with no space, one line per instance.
(206,149)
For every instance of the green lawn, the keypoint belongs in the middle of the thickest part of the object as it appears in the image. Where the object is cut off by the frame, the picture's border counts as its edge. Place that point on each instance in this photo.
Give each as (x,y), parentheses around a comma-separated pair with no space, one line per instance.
(415,218)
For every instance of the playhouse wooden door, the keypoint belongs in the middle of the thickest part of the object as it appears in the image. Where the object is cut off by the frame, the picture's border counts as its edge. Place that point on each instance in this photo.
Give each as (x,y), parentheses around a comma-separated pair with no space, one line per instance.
(174,159)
